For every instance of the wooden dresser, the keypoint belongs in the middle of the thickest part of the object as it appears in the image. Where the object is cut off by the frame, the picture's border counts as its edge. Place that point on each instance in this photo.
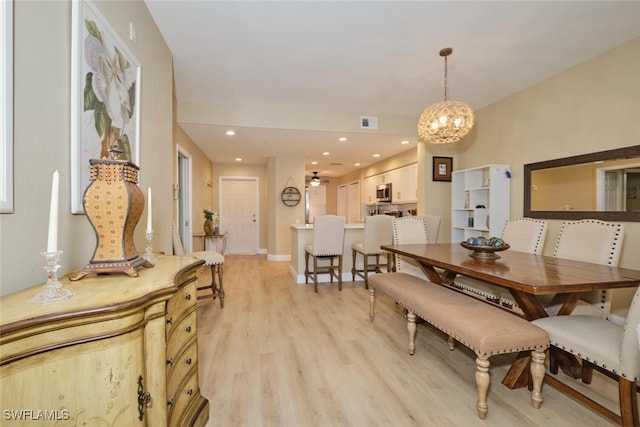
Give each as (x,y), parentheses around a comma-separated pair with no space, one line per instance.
(122,352)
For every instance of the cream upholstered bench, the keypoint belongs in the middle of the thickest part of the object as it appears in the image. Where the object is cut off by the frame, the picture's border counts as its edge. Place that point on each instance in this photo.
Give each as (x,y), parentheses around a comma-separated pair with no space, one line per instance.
(485,329)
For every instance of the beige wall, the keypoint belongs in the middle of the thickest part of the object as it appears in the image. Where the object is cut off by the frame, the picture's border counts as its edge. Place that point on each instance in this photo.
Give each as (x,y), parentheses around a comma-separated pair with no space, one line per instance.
(42,75)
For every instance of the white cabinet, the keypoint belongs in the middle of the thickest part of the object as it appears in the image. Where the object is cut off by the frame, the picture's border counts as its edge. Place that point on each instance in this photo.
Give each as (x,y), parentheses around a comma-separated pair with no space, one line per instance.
(404,185)
(480,201)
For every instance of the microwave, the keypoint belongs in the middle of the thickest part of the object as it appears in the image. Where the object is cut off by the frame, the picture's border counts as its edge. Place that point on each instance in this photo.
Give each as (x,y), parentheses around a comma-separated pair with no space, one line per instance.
(383,193)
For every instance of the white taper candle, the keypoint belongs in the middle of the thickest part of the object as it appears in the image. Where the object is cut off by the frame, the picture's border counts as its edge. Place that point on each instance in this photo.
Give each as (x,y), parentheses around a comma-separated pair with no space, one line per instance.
(52,239)
(149,227)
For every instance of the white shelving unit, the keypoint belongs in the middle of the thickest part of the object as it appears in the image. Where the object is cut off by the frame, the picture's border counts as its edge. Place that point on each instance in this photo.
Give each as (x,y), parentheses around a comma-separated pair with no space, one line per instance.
(487,186)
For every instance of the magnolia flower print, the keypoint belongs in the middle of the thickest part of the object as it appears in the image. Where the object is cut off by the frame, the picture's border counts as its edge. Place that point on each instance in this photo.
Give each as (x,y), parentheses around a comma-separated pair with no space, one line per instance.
(109,91)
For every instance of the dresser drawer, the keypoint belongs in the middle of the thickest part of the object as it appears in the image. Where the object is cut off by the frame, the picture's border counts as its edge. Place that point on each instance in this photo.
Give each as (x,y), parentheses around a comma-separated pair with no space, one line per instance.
(178,367)
(181,333)
(187,391)
(182,300)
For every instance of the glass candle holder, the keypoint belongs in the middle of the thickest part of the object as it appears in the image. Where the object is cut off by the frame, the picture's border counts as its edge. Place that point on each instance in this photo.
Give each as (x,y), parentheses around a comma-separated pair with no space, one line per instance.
(52,290)
(148,255)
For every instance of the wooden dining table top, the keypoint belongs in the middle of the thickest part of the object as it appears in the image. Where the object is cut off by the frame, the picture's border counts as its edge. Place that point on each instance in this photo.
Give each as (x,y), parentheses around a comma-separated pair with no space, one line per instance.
(520,271)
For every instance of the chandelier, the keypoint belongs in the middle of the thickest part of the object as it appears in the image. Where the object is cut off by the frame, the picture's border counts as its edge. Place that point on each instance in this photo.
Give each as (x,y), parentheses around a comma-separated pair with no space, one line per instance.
(447,121)
(315,180)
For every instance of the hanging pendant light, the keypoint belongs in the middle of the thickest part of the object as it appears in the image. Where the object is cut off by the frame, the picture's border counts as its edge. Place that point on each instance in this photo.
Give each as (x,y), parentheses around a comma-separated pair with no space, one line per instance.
(315,180)
(447,121)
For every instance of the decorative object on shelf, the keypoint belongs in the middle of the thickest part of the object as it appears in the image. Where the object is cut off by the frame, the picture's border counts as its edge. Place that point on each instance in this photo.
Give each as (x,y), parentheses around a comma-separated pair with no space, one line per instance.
(483,248)
(290,196)
(447,121)
(442,168)
(211,221)
(114,204)
(315,179)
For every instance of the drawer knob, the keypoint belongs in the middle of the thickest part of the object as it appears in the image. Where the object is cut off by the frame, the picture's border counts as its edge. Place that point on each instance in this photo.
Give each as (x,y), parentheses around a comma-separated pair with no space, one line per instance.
(188,361)
(170,361)
(187,329)
(170,321)
(170,403)
(188,297)
(190,392)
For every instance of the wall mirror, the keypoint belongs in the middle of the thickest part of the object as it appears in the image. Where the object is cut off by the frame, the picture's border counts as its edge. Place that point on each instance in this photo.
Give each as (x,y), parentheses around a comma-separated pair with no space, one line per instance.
(603,185)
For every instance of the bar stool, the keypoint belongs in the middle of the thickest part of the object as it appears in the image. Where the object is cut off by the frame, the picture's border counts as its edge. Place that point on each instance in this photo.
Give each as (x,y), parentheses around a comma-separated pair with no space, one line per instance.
(213,259)
(378,230)
(328,241)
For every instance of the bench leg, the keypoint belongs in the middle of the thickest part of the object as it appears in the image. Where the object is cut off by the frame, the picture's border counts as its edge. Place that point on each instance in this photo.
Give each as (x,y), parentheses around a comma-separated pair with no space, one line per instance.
(451,342)
(537,375)
(372,303)
(482,382)
(411,327)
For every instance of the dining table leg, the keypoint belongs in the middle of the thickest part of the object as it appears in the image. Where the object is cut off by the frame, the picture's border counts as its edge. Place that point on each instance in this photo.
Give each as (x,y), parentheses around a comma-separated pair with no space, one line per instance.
(518,374)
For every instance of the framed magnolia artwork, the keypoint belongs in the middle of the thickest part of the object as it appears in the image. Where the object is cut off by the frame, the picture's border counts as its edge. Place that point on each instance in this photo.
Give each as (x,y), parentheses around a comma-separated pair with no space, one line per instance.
(105,96)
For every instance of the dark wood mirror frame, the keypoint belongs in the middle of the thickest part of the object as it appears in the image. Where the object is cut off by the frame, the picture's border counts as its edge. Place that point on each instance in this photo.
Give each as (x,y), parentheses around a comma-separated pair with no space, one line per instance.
(620,153)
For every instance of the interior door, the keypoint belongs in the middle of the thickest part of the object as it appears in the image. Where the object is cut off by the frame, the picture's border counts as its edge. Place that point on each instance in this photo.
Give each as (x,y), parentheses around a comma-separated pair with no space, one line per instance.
(239,213)
(182,193)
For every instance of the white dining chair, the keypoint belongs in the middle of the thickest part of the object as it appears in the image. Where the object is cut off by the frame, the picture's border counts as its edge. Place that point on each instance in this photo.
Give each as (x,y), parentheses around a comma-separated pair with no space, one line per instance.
(378,230)
(409,230)
(605,346)
(595,241)
(328,243)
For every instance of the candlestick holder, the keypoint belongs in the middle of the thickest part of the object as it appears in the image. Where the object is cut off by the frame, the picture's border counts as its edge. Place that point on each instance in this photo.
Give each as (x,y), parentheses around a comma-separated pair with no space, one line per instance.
(53,290)
(149,256)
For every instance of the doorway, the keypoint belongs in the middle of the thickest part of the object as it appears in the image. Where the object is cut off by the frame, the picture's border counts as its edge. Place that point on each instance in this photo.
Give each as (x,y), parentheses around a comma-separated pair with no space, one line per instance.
(239,213)
(182,194)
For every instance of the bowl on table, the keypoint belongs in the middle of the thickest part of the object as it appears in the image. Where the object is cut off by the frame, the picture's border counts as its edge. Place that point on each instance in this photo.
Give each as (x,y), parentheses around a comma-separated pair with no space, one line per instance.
(483,248)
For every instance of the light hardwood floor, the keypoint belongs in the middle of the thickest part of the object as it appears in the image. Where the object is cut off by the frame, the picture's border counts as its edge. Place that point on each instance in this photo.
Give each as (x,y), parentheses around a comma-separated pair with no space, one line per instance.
(280,355)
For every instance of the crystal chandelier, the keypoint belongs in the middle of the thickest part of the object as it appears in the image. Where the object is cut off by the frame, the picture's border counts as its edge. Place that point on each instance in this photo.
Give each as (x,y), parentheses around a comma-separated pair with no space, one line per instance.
(447,121)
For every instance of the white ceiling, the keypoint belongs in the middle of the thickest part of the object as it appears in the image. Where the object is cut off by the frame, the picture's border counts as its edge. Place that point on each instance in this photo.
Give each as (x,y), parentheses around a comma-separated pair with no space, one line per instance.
(343,59)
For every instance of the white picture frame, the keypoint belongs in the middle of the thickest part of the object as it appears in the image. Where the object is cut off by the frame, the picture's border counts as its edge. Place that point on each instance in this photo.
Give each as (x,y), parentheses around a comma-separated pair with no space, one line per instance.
(101,105)
(6,107)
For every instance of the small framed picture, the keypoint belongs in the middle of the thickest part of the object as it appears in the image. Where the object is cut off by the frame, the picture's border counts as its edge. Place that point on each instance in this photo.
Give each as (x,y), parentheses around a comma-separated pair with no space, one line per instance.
(442,167)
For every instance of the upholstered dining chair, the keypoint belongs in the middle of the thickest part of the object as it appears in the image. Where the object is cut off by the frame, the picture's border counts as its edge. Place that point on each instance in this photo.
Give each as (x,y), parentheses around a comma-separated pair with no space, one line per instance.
(607,347)
(523,235)
(595,241)
(212,259)
(433,227)
(378,230)
(328,242)
(409,230)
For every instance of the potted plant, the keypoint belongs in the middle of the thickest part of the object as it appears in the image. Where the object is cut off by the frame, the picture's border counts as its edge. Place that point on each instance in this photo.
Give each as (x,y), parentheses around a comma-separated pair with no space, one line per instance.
(211,219)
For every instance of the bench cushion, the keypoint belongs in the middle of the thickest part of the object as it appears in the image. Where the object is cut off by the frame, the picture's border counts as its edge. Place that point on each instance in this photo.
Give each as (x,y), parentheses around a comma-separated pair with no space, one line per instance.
(485,329)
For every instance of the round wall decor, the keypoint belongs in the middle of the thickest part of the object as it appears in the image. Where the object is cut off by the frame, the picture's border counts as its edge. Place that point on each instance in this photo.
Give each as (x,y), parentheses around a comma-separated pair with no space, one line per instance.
(290,196)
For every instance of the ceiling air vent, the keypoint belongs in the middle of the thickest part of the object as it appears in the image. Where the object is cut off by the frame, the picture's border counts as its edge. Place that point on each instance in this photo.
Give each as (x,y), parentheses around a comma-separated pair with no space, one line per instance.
(335,164)
(368,122)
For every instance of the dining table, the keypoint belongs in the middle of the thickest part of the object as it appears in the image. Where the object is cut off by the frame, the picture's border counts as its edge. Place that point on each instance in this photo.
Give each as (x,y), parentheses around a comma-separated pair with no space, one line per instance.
(526,276)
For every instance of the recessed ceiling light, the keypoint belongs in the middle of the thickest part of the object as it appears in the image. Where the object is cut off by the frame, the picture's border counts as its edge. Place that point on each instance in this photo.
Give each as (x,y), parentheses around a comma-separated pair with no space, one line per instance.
(314,163)
(326,153)
(230,132)
(376,155)
(342,139)
(405,142)
(356,164)
(238,159)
